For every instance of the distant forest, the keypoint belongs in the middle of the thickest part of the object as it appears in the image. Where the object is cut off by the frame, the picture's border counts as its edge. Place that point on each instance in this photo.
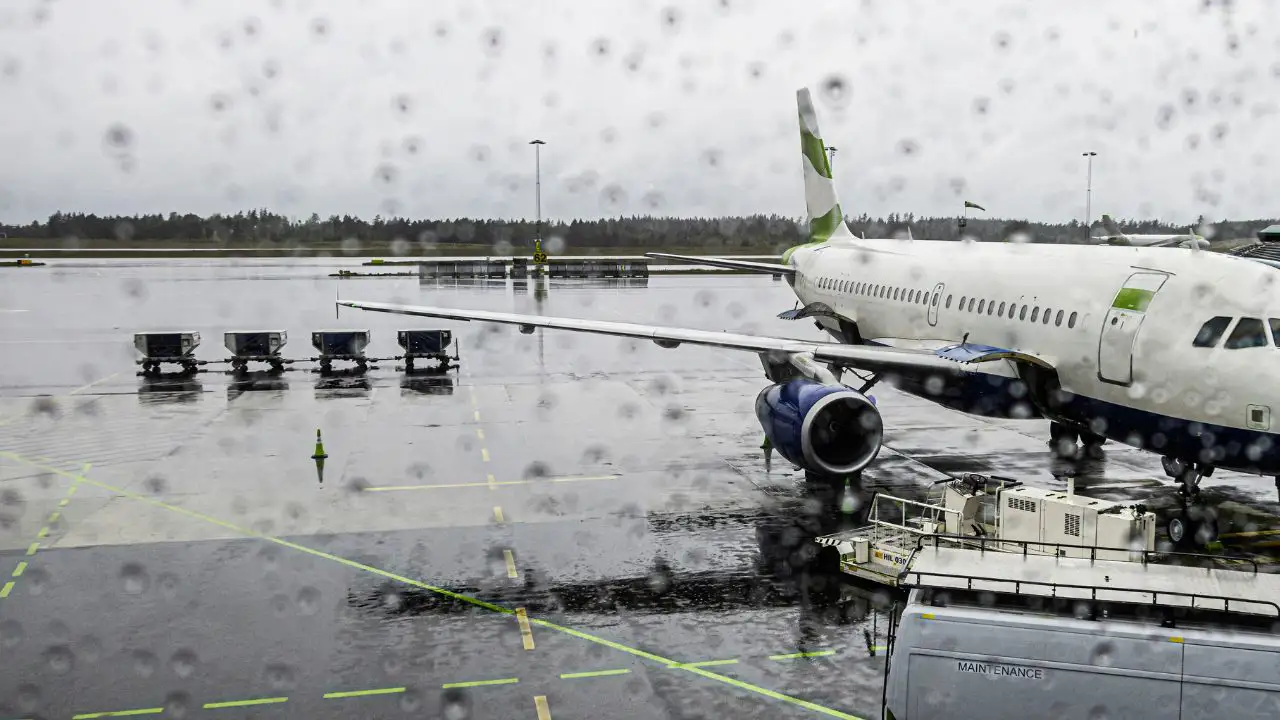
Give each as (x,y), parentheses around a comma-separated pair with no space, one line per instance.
(262,228)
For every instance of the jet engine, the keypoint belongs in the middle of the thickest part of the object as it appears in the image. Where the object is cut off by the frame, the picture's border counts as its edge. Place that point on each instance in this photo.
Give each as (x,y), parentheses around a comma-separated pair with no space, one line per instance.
(823,428)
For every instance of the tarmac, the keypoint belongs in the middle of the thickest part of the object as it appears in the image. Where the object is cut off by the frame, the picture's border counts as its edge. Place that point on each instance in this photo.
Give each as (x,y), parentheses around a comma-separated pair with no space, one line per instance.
(566,526)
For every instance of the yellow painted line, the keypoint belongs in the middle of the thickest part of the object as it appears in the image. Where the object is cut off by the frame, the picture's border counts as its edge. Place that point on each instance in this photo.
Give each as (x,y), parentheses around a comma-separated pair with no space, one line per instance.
(362,693)
(31,549)
(245,703)
(477,414)
(704,663)
(53,516)
(8,588)
(593,673)
(484,454)
(526,632)
(572,632)
(17,572)
(479,683)
(497,514)
(119,713)
(390,488)
(584,478)
(511,563)
(63,502)
(544,711)
(72,490)
(793,656)
(44,532)
(82,388)
(491,482)
(480,433)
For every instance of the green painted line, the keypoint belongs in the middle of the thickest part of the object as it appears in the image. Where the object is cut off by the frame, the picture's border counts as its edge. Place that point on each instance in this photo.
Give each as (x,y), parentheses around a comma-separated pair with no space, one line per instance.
(245,703)
(8,588)
(32,548)
(594,673)
(704,663)
(119,713)
(22,566)
(793,656)
(635,652)
(1133,299)
(478,683)
(362,693)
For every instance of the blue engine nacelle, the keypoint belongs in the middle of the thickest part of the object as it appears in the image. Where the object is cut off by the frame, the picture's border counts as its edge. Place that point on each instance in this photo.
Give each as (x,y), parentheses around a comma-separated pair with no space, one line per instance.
(827,429)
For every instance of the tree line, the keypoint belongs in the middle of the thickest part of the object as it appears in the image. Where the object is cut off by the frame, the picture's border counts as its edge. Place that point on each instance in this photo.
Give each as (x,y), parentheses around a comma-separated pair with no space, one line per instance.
(265,228)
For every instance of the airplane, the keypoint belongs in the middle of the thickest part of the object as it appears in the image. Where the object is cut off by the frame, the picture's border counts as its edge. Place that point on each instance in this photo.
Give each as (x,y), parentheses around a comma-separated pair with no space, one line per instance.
(1164,349)
(1116,236)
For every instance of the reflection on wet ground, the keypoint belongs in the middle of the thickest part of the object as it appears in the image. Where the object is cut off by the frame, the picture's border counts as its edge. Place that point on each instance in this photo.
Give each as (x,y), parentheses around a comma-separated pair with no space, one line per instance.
(581,519)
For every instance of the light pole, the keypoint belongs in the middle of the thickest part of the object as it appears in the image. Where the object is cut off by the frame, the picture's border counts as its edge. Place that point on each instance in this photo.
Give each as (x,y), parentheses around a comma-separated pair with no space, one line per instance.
(1088,194)
(539,257)
(831,151)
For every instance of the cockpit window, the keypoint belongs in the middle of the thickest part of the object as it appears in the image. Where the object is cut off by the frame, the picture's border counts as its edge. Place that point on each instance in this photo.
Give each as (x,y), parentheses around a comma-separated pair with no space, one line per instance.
(1211,332)
(1247,333)
(1275,330)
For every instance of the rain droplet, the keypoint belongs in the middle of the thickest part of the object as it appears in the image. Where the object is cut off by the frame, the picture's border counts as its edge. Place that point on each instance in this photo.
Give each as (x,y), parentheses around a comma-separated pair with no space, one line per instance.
(412,145)
(176,704)
(755,70)
(11,633)
(670,18)
(219,102)
(279,676)
(60,659)
(908,147)
(455,704)
(155,484)
(119,137)
(410,701)
(836,89)
(183,663)
(402,103)
(1002,40)
(600,48)
(613,195)
(168,584)
(144,663)
(492,41)
(28,697)
(308,600)
(319,27)
(712,157)
(134,578)
(386,174)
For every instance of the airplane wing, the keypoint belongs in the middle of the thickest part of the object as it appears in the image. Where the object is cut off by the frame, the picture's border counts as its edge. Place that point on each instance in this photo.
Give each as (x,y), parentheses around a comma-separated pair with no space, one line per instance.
(761,267)
(875,359)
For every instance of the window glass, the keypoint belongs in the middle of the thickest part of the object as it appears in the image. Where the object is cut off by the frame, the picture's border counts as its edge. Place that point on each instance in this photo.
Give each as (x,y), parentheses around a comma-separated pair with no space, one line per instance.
(1071,321)
(936,298)
(1048,312)
(962,299)
(1000,312)
(1034,312)
(981,303)
(1248,333)
(991,308)
(1022,314)
(1057,321)
(1275,330)
(949,302)
(1211,332)
(971,302)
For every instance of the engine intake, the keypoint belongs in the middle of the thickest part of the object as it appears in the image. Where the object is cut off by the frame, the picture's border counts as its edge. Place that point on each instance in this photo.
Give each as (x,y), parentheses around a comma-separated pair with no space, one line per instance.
(822,428)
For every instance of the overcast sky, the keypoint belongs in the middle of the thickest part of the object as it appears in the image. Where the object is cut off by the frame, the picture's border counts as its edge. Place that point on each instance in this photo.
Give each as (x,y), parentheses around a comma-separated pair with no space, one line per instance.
(425,108)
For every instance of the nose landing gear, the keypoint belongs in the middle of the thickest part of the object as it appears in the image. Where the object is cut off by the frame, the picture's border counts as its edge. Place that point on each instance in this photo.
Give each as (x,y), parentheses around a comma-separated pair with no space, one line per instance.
(1194,525)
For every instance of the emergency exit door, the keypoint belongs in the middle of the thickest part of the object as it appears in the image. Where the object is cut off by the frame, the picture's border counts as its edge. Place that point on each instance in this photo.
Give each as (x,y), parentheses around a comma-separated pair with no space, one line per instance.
(1121,325)
(934,299)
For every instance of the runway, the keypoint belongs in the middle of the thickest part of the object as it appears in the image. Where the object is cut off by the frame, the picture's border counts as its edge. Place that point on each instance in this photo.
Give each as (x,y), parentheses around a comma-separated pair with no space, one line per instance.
(568,526)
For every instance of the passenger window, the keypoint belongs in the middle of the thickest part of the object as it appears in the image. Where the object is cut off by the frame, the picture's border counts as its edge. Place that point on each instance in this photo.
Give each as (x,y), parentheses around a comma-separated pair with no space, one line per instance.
(1071,321)
(961,307)
(980,304)
(1275,330)
(1034,312)
(1211,332)
(936,298)
(971,302)
(1047,314)
(949,302)
(1022,314)
(991,308)
(1247,333)
(1001,312)
(1057,321)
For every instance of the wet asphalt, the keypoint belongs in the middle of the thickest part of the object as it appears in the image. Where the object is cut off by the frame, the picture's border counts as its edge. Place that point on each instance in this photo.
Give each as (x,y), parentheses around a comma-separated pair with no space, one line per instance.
(566,526)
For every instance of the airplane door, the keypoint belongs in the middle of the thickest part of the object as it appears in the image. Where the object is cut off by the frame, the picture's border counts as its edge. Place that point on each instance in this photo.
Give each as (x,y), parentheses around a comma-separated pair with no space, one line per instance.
(1121,325)
(934,301)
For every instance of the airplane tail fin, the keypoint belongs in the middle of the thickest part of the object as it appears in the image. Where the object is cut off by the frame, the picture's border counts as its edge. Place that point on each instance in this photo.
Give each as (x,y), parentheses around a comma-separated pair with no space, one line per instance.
(826,220)
(1109,223)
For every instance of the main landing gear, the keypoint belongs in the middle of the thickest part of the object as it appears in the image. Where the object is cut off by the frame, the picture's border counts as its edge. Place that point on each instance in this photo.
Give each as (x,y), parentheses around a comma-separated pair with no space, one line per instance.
(1063,439)
(1194,525)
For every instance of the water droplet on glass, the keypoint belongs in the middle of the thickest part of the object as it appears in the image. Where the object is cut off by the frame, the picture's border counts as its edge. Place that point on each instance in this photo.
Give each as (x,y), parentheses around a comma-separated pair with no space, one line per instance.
(836,89)
(279,676)
(134,578)
(491,40)
(144,663)
(183,663)
(11,633)
(59,658)
(176,704)
(455,704)
(118,137)
(308,600)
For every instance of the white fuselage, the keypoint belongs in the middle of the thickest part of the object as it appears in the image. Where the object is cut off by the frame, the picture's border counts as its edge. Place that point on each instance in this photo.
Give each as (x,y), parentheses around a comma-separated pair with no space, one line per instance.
(1129,359)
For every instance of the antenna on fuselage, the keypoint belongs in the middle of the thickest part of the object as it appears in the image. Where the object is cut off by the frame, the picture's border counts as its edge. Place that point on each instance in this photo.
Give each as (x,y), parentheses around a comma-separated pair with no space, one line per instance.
(964,340)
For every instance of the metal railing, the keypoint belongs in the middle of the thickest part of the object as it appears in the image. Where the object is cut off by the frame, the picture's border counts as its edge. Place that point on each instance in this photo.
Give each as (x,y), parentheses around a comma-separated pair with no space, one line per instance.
(1147,555)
